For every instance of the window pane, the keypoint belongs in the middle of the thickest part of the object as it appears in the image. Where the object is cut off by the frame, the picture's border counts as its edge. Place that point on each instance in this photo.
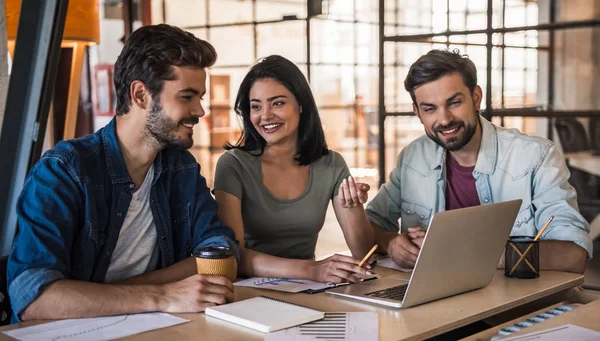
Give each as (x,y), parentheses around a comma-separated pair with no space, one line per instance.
(185,13)
(235,45)
(230,11)
(276,10)
(332,42)
(287,39)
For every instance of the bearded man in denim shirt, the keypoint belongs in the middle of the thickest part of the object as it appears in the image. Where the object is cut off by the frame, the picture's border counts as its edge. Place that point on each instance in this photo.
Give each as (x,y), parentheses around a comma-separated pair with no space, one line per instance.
(107,222)
(465,160)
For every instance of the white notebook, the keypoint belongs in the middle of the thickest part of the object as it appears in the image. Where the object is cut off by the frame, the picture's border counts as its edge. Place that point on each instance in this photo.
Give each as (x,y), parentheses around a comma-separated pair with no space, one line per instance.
(264,314)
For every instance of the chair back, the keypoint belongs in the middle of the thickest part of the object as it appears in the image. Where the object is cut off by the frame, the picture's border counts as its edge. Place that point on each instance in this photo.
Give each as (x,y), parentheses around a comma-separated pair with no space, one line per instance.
(572,135)
(5,309)
(594,127)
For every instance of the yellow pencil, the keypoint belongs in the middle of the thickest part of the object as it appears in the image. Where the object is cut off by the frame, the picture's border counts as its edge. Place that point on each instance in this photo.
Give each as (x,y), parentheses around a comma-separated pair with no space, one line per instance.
(531,245)
(367,256)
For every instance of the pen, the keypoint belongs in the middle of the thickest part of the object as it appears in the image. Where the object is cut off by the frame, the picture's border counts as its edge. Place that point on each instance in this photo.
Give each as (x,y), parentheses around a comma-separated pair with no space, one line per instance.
(531,245)
(367,256)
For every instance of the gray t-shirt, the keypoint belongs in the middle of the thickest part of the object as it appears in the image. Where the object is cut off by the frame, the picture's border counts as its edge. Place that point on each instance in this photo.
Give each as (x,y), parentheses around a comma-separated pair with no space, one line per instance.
(137,249)
(283,228)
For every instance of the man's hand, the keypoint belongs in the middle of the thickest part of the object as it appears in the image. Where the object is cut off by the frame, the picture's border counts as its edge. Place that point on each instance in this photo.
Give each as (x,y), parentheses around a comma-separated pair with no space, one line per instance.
(416,235)
(403,251)
(196,293)
(352,194)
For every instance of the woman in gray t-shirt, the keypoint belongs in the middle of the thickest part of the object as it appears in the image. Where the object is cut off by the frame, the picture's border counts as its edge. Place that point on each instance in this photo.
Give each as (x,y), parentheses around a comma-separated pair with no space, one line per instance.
(274,186)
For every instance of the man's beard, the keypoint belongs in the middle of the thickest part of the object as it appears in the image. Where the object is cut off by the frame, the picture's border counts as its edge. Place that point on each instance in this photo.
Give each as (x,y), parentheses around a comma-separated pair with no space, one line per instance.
(455,143)
(160,129)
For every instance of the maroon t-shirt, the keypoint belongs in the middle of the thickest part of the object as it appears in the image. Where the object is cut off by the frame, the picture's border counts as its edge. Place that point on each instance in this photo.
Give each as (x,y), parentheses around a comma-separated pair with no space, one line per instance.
(460,185)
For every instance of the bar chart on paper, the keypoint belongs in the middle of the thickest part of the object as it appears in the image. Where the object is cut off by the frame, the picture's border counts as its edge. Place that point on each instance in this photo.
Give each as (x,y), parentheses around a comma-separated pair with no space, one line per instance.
(361,326)
(282,284)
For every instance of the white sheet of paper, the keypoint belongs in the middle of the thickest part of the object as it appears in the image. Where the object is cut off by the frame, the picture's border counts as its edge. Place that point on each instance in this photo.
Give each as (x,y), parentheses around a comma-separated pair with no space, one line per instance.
(387,262)
(282,284)
(567,332)
(338,326)
(95,329)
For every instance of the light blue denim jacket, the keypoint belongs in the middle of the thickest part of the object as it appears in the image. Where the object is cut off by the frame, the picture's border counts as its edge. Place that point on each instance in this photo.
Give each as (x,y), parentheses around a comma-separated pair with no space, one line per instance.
(510,165)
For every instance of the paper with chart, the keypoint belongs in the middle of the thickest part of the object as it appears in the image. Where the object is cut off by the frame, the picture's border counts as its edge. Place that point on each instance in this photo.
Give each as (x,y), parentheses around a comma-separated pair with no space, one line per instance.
(292,285)
(567,332)
(283,284)
(387,262)
(95,329)
(335,326)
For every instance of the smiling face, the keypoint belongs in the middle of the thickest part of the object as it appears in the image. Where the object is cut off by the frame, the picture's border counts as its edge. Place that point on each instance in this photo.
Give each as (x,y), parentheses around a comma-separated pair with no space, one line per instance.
(448,111)
(174,113)
(274,112)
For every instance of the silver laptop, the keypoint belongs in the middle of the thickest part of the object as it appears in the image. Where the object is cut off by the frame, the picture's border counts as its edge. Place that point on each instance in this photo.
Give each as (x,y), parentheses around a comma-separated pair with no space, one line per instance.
(460,252)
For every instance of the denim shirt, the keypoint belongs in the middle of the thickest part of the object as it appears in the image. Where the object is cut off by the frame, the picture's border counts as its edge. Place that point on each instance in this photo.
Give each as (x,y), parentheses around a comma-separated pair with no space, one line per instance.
(74,202)
(510,165)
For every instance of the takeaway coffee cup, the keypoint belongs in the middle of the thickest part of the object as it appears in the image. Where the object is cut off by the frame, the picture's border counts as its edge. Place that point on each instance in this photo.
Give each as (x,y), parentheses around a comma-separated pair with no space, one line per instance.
(216,260)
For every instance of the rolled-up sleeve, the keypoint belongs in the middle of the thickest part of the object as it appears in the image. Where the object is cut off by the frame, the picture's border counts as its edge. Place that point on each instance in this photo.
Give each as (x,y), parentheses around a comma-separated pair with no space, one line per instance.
(46,215)
(554,196)
(208,230)
(384,209)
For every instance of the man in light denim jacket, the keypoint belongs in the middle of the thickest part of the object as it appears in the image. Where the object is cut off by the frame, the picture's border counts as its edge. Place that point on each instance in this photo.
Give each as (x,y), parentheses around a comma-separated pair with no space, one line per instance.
(107,222)
(463,161)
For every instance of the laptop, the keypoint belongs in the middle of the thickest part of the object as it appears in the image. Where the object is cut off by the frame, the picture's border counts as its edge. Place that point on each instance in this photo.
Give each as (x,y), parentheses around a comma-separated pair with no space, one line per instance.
(460,252)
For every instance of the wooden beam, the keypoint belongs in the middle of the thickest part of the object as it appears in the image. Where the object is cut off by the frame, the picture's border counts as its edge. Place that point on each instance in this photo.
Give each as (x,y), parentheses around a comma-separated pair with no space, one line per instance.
(74,88)
(146,12)
(128,18)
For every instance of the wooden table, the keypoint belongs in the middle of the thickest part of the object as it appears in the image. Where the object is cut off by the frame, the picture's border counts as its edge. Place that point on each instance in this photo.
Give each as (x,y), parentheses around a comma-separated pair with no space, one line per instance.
(584,161)
(587,316)
(414,323)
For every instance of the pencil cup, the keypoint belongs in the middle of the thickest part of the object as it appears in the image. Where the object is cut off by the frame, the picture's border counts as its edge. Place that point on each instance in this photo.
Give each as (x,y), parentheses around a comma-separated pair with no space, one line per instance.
(529,265)
(216,260)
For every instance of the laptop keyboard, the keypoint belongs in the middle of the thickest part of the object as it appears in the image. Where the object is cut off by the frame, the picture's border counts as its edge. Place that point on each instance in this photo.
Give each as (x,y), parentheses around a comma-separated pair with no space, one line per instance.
(394,293)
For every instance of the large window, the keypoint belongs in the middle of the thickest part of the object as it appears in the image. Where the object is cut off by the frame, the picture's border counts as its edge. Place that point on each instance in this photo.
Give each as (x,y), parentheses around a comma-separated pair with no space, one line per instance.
(527,75)
(536,60)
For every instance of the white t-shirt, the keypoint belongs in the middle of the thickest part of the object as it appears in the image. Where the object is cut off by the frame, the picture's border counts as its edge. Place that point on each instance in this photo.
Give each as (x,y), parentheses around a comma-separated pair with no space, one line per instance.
(136,251)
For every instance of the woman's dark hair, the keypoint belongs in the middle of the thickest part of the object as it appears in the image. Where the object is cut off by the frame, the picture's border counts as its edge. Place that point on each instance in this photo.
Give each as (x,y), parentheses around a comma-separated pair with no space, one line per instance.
(311,139)
(436,64)
(148,56)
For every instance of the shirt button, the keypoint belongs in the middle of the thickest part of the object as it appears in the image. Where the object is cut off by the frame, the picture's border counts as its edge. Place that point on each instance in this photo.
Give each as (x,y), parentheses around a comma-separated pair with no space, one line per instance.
(486,201)
(163,237)
(422,216)
(132,186)
(408,211)
(108,254)
(119,214)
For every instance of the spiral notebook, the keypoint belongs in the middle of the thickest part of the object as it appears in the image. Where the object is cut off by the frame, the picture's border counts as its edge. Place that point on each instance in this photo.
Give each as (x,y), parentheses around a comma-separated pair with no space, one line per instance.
(265,314)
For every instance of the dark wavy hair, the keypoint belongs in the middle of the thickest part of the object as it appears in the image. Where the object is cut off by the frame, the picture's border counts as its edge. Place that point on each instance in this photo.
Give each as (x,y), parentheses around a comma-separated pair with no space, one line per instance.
(436,64)
(311,138)
(149,56)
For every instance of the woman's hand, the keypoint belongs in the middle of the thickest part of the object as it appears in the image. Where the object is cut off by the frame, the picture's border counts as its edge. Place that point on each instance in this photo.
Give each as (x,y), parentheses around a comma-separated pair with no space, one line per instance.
(337,269)
(352,194)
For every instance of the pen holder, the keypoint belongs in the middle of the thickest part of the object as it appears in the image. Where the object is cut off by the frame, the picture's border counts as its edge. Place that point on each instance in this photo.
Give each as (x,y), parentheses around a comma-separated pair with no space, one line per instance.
(529,265)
